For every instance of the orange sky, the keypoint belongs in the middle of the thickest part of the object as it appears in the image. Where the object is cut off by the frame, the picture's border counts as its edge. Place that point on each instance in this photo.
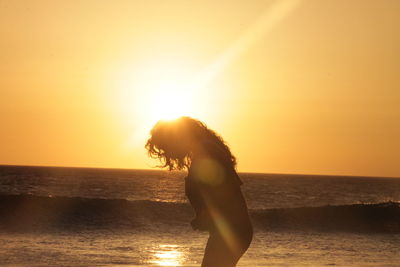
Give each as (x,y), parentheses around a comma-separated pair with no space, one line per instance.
(293,86)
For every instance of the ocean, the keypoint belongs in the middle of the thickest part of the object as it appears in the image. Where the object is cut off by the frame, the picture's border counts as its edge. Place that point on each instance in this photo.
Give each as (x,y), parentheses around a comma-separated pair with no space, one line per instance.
(52,216)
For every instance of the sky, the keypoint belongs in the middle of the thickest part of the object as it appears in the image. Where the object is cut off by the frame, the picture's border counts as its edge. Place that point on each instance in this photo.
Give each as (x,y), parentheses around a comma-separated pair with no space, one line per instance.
(310,87)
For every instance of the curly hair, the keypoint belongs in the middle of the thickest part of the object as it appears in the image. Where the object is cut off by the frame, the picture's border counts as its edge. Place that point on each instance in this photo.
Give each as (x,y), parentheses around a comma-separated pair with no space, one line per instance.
(170,142)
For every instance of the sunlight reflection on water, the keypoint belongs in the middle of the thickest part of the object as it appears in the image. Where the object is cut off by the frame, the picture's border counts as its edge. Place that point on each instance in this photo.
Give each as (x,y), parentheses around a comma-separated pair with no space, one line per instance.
(167,255)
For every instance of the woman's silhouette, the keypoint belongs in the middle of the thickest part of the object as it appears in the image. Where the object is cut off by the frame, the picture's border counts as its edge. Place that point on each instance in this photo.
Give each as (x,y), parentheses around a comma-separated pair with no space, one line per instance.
(212,185)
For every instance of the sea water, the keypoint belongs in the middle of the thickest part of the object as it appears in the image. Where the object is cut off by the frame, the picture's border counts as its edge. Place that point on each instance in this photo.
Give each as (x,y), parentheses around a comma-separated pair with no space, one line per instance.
(111,217)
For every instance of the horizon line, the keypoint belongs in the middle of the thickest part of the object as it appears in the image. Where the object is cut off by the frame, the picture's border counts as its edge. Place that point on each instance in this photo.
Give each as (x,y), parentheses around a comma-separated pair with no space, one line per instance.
(161,169)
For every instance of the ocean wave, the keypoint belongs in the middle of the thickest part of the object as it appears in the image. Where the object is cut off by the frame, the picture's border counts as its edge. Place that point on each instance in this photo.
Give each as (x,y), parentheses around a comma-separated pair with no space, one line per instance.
(374,217)
(29,212)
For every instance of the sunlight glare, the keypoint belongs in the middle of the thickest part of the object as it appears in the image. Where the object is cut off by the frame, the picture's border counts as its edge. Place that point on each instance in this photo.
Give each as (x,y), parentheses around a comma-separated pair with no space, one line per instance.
(165,86)
(168,103)
(158,89)
(167,255)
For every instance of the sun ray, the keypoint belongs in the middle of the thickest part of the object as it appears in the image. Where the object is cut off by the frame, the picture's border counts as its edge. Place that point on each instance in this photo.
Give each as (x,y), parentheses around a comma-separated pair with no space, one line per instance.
(168,87)
(271,18)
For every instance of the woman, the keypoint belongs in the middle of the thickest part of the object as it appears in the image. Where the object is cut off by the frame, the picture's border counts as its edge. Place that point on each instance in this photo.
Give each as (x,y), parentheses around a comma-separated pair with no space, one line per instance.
(212,185)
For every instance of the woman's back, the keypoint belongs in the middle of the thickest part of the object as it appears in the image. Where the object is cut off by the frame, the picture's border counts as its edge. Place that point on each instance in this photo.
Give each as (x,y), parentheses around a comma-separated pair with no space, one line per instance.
(217,188)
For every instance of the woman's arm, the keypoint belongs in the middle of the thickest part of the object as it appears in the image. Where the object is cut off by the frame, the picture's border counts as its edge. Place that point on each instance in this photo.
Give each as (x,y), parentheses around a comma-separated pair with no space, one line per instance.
(201,219)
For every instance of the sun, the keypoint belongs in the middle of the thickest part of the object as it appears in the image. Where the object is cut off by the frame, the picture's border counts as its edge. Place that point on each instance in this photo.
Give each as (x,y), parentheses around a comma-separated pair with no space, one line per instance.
(169,104)
(166,91)
(158,89)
